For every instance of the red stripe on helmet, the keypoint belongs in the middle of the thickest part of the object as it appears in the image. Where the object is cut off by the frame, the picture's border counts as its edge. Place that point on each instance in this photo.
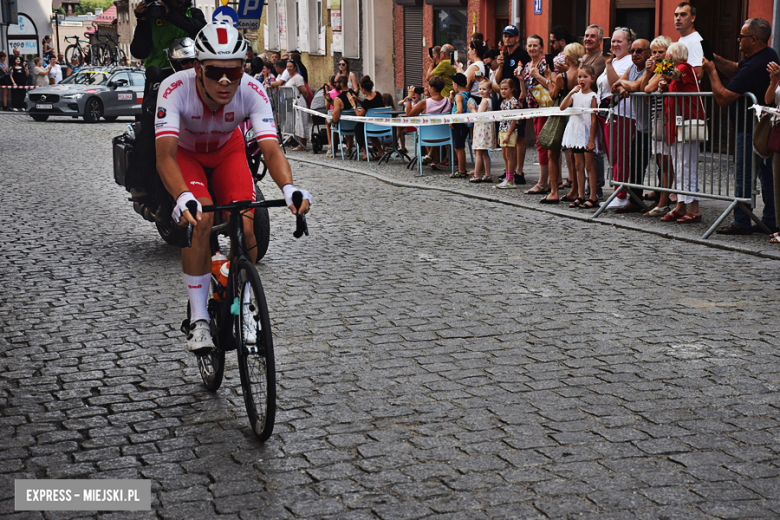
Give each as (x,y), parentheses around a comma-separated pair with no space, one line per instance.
(222,37)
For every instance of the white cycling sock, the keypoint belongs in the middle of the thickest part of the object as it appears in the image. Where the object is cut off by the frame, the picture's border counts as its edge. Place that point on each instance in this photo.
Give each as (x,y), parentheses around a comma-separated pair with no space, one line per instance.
(198,291)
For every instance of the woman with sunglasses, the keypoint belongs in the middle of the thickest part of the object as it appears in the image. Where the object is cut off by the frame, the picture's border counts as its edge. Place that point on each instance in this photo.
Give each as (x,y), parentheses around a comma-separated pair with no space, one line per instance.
(198,113)
(352,81)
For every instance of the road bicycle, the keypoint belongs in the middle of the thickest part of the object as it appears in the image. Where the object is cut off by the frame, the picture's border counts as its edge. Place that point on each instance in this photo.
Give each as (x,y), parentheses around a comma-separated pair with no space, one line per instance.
(238,320)
(110,48)
(87,53)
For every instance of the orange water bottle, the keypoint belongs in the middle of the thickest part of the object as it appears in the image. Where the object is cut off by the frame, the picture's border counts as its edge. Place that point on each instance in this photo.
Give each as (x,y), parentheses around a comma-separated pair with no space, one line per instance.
(217,261)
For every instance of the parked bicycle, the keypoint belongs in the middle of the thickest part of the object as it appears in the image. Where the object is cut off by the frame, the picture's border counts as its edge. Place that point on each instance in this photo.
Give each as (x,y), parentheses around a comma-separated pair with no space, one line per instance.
(111,49)
(239,320)
(86,52)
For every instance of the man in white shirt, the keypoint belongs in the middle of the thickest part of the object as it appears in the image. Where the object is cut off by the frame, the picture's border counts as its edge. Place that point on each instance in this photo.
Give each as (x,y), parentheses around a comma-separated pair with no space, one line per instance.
(55,74)
(684,17)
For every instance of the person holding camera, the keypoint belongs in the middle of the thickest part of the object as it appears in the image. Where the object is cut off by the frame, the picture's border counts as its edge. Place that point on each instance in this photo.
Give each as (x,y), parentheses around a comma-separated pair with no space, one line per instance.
(160,24)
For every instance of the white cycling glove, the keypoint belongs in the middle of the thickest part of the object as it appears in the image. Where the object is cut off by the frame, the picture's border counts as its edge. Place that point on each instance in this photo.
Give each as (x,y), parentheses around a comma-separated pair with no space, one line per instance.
(181,205)
(289,189)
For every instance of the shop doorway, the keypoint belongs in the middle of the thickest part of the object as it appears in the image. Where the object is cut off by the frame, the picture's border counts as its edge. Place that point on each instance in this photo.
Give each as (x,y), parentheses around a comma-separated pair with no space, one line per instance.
(571,14)
(720,23)
(641,21)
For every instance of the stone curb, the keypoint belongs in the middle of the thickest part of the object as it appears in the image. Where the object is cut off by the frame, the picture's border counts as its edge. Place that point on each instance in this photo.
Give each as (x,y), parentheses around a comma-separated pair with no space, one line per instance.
(536,207)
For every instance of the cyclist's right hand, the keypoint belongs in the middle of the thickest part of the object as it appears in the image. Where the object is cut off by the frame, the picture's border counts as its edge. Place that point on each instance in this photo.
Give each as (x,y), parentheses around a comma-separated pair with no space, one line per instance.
(181,215)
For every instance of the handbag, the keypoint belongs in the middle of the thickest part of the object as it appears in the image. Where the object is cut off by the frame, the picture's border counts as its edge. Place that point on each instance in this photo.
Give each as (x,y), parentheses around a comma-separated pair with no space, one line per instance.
(551,135)
(542,96)
(774,140)
(692,129)
(761,133)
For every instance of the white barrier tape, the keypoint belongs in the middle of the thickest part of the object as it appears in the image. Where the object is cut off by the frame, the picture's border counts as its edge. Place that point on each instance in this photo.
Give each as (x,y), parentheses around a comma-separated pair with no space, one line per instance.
(759,109)
(471,117)
(17,86)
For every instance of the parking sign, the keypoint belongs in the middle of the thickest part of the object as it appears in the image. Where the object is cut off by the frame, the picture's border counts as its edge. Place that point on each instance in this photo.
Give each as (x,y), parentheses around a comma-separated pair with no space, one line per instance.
(249,12)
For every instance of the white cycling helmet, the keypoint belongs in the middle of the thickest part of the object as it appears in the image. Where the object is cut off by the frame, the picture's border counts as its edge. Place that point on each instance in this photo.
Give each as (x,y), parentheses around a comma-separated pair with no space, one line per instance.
(181,49)
(220,41)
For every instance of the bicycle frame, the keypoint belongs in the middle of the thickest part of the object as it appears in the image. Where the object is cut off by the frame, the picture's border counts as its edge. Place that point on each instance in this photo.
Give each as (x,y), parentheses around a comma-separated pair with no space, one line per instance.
(226,340)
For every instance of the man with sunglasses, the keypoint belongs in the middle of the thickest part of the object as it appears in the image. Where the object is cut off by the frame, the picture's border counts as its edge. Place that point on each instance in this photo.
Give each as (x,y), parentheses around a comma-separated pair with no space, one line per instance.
(152,39)
(198,113)
(749,75)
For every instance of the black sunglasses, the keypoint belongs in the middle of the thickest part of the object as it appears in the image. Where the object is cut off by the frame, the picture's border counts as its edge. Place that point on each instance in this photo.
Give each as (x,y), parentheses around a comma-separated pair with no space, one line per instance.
(217,73)
(741,36)
(639,51)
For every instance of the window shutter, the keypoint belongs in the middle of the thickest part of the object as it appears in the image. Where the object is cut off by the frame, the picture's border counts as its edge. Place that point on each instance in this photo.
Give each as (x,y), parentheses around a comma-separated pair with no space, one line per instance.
(413,46)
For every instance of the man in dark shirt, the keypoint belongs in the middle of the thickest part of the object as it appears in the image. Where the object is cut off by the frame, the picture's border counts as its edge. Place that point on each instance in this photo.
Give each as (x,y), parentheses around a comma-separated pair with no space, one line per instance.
(749,75)
(514,57)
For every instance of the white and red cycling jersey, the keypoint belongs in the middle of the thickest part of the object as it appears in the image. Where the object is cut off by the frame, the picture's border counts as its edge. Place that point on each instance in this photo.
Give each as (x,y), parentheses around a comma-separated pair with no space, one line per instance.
(182,113)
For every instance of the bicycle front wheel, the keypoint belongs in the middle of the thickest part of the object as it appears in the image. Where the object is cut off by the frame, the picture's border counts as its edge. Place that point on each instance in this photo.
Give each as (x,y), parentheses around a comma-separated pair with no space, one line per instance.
(255,352)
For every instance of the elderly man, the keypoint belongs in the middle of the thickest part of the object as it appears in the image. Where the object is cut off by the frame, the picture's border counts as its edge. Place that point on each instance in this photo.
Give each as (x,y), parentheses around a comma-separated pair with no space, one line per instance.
(639,151)
(442,67)
(749,75)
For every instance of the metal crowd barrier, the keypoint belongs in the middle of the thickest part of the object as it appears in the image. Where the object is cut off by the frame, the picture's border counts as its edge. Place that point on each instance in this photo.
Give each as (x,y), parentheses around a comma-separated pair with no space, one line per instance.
(708,168)
(286,113)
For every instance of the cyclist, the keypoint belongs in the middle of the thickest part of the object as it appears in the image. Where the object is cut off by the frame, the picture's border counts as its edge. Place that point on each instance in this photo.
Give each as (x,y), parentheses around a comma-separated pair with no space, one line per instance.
(198,111)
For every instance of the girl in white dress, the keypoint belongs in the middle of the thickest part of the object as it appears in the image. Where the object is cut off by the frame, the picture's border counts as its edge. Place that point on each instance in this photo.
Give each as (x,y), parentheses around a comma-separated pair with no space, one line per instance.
(580,134)
(483,134)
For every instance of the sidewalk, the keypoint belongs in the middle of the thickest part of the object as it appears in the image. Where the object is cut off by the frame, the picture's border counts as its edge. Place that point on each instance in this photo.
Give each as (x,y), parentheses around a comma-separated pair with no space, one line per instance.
(395,173)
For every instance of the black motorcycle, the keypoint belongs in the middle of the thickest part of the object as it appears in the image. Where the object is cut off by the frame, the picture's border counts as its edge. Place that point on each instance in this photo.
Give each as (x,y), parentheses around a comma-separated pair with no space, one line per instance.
(157,206)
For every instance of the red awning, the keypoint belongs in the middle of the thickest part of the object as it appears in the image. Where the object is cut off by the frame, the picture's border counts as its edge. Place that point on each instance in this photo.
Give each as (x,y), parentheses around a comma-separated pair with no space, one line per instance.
(108,16)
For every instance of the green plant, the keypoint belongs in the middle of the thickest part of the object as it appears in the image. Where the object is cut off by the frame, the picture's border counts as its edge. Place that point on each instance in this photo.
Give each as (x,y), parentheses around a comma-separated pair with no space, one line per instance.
(88,6)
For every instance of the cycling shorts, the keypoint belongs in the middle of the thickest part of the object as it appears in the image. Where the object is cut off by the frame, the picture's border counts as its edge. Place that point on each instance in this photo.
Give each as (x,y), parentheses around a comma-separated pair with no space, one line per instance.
(231,179)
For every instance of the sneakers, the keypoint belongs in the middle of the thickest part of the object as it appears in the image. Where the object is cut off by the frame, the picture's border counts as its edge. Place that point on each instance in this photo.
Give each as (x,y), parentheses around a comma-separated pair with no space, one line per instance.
(426,160)
(506,185)
(249,324)
(329,154)
(617,203)
(199,339)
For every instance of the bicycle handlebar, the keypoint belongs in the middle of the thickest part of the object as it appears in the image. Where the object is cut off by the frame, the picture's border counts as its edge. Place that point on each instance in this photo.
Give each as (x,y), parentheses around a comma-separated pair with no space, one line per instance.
(301,228)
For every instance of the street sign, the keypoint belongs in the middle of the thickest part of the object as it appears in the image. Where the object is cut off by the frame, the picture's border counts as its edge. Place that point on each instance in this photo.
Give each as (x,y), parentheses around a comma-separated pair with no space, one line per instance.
(249,12)
(10,10)
(537,6)
(225,14)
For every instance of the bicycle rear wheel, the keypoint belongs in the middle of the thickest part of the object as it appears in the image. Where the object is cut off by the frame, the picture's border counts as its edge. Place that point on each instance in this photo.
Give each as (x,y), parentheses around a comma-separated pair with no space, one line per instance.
(212,366)
(255,360)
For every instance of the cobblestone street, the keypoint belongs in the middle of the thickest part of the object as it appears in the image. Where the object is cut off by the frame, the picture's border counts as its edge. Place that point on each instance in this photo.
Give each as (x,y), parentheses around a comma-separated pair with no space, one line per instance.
(438,356)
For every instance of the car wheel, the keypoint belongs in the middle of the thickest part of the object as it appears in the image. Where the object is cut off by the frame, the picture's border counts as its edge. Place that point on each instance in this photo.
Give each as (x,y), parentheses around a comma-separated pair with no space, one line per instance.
(110,119)
(38,117)
(93,110)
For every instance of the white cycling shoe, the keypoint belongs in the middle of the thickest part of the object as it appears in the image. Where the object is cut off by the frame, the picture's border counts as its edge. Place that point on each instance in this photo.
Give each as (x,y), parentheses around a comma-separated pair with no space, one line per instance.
(250,324)
(199,339)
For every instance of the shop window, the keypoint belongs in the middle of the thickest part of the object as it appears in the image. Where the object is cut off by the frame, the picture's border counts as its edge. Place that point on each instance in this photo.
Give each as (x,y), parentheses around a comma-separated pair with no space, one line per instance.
(451,26)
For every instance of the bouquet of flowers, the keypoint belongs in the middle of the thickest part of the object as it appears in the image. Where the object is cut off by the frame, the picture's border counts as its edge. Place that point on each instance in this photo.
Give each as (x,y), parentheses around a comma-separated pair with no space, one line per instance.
(665,67)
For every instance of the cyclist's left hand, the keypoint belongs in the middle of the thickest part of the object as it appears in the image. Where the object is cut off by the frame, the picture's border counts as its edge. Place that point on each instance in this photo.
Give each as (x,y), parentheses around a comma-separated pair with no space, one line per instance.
(288,190)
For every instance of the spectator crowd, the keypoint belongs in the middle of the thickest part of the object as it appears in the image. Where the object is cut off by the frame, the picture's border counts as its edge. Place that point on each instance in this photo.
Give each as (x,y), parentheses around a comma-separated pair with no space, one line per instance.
(596,71)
